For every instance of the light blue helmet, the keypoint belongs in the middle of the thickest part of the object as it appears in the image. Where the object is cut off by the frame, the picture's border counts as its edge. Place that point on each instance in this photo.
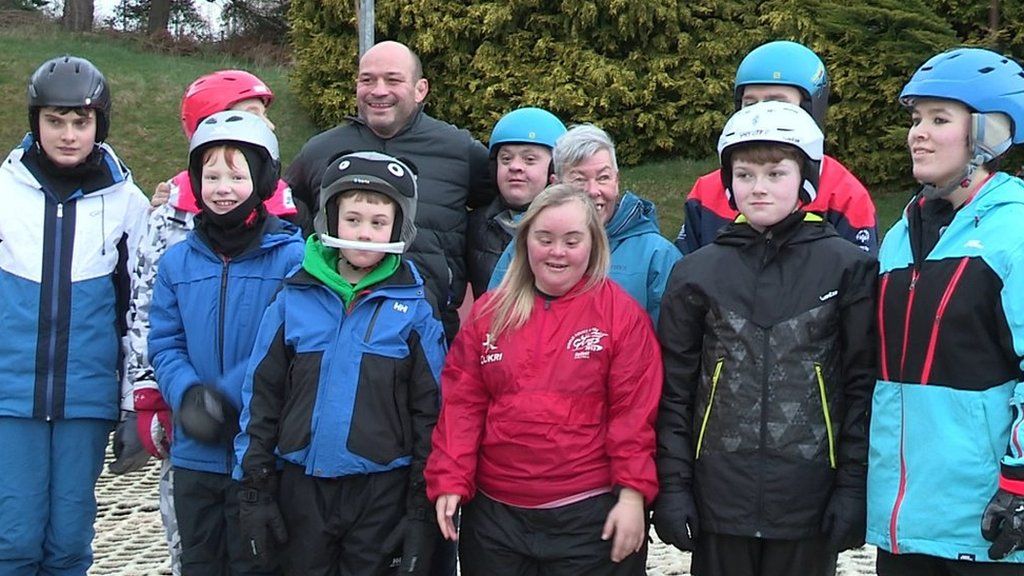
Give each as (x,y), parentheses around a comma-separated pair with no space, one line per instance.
(986,82)
(789,64)
(526,126)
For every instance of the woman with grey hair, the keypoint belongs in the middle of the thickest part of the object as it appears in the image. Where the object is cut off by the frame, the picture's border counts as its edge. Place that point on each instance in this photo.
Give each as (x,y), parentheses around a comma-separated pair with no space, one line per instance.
(641,258)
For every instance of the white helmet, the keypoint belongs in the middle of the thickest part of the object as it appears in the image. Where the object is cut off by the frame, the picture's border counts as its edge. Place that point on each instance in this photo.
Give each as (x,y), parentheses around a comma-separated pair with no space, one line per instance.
(779,122)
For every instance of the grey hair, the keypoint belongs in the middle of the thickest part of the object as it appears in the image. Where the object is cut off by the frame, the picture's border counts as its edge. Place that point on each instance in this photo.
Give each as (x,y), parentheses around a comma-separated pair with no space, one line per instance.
(578,144)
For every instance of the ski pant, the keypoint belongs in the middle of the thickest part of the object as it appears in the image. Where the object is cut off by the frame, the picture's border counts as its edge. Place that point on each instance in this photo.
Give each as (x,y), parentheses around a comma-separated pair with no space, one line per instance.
(206,506)
(47,494)
(336,525)
(727,555)
(498,539)
(889,564)
(167,517)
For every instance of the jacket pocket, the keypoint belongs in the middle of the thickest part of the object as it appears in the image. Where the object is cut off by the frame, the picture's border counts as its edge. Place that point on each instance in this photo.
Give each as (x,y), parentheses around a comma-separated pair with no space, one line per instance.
(295,427)
(715,376)
(380,431)
(827,415)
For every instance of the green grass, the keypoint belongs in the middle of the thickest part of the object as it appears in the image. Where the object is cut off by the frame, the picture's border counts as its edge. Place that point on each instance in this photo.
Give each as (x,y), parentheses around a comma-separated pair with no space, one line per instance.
(147,89)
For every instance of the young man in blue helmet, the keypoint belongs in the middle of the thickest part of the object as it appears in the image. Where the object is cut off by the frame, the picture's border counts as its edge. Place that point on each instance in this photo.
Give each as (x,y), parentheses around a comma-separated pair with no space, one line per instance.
(786,72)
(520,150)
(945,467)
(642,258)
(69,230)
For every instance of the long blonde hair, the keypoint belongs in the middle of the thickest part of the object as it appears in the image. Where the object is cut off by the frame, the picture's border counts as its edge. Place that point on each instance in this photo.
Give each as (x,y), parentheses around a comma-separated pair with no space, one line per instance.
(512,303)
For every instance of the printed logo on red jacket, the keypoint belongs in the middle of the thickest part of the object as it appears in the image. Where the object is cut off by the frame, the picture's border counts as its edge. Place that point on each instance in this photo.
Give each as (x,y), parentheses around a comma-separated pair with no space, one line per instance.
(584,342)
(491,353)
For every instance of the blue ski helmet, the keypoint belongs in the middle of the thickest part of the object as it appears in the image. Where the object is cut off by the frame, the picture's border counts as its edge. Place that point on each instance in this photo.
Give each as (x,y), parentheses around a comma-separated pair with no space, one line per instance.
(788,64)
(526,126)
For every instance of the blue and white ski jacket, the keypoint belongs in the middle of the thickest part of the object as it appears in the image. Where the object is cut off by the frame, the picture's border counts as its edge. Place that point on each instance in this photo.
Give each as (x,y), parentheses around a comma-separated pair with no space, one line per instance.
(204,318)
(64,281)
(946,417)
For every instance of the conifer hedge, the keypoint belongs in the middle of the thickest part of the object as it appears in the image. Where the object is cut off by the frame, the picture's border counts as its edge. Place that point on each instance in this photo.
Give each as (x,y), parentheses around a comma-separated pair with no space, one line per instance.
(657,74)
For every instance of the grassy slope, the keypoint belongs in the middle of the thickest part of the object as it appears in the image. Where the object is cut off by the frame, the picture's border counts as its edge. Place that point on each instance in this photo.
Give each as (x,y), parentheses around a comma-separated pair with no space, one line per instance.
(146,132)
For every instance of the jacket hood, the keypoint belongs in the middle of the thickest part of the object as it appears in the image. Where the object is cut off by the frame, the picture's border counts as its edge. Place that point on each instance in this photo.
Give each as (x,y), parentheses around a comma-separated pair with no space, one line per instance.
(634,216)
(275,233)
(797,228)
(119,173)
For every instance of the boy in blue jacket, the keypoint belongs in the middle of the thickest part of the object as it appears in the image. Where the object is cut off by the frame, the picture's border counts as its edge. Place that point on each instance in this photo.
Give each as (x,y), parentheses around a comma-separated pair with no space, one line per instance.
(72,218)
(210,292)
(343,387)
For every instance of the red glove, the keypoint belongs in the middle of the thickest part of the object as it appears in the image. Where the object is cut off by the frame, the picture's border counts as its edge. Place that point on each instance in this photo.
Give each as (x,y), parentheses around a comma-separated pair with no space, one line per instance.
(155,428)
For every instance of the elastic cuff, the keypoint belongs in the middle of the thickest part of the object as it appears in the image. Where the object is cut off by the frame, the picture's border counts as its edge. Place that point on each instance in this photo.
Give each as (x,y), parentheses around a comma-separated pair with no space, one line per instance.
(1012,486)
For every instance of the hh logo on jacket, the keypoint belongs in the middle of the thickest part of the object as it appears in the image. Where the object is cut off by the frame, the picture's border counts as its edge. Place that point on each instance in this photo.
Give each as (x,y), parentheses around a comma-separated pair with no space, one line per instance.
(584,342)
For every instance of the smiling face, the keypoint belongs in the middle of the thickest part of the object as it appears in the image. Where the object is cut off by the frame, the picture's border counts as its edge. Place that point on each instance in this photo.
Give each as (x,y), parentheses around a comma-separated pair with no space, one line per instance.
(766,193)
(226,180)
(67,135)
(939,140)
(388,88)
(558,246)
(363,217)
(597,177)
(523,172)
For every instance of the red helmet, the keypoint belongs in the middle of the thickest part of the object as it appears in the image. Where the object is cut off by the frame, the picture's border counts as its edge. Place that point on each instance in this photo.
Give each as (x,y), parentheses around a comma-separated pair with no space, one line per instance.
(217,92)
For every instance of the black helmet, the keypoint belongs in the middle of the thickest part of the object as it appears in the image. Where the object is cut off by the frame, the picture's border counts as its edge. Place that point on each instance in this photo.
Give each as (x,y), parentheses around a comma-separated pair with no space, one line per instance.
(69,82)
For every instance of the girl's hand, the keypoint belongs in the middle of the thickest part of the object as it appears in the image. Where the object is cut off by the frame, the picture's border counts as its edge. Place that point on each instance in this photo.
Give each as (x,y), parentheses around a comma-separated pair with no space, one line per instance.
(446,506)
(625,525)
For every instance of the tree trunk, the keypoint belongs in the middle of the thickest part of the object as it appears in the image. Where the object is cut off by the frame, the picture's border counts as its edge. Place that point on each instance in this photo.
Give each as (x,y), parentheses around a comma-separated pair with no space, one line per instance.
(159,16)
(78,15)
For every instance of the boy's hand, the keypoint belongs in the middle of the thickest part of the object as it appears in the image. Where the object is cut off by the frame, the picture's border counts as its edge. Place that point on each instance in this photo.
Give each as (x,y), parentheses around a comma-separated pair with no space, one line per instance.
(259,518)
(447,506)
(845,520)
(625,525)
(414,537)
(207,415)
(129,454)
(675,519)
(161,195)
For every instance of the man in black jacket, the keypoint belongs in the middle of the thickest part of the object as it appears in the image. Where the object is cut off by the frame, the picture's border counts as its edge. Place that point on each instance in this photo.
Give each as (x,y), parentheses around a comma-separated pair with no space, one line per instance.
(452,166)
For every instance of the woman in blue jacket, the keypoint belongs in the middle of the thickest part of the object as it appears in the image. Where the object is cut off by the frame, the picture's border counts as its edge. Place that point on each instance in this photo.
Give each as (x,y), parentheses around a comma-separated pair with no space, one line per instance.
(946,469)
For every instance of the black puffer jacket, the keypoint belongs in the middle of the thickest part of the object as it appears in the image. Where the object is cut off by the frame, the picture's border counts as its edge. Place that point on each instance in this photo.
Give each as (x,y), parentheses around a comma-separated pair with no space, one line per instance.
(453,175)
(486,239)
(769,366)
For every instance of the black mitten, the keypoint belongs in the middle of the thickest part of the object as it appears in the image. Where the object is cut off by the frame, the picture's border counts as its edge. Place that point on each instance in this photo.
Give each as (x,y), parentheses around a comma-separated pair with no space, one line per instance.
(207,415)
(1003,524)
(844,523)
(260,520)
(129,453)
(675,518)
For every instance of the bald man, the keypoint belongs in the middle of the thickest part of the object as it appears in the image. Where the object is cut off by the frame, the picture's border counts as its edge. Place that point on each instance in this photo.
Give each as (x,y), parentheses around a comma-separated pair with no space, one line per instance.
(452,165)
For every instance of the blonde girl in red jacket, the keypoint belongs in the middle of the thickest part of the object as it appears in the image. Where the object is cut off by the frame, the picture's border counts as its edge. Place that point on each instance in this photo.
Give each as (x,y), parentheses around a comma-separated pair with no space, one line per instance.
(546,433)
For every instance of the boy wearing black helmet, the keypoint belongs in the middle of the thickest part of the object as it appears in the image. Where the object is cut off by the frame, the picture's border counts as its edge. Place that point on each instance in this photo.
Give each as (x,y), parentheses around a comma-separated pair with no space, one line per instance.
(343,387)
(72,219)
(210,292)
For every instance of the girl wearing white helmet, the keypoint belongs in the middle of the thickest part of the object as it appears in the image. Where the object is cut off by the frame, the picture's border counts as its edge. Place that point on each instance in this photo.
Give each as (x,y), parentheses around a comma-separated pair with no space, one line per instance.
(767,344)
(946,477)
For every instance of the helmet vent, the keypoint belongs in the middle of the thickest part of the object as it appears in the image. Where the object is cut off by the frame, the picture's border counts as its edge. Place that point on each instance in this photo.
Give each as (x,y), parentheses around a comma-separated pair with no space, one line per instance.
(986,69)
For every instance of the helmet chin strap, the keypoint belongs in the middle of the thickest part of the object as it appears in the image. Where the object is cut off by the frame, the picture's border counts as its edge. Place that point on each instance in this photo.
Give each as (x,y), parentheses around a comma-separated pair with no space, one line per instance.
(932,192)
(386,247)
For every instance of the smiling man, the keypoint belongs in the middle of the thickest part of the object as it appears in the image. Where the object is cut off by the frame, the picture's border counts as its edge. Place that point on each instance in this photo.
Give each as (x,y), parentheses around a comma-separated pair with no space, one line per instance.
(452,166)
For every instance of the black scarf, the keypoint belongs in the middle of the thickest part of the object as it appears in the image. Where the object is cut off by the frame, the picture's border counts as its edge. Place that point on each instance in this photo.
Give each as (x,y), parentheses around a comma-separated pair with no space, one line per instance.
(233,233)
(89,175)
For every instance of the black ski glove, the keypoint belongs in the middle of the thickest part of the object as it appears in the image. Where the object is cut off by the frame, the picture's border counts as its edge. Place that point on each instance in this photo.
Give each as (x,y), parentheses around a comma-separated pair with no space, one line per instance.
(260,520)
(129,453)
(675,518)
(207,415)
(844,523)
(1003,524)
(415,537)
